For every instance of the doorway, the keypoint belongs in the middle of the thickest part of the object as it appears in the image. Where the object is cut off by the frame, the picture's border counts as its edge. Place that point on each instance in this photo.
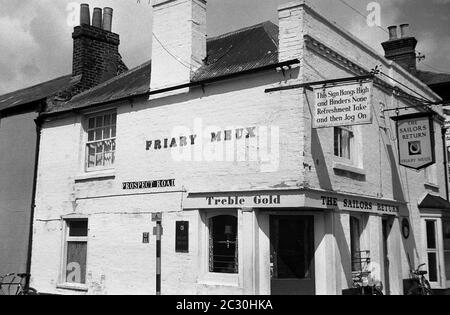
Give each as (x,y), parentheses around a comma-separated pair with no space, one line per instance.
(292,255)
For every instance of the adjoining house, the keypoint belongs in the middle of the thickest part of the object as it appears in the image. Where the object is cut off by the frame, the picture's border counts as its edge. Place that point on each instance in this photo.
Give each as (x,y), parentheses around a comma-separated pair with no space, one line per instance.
(401,48)
(95,59)
(204,171)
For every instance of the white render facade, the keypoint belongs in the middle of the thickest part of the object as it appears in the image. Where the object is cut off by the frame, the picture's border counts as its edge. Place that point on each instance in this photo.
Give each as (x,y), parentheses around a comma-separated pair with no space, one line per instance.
(291,179)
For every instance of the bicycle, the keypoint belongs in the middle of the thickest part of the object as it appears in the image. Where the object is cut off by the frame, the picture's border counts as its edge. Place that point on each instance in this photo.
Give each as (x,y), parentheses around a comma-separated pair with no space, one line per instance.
(364,286)
(420,286)
(16,284)
(362,280)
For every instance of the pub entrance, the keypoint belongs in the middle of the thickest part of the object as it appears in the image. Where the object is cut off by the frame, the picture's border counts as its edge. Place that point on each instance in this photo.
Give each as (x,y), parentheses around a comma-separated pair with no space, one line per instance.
(292,255)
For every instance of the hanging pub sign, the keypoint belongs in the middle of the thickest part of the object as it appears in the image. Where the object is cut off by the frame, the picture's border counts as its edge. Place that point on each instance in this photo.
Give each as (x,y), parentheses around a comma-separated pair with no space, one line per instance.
(415,135)
(345,104)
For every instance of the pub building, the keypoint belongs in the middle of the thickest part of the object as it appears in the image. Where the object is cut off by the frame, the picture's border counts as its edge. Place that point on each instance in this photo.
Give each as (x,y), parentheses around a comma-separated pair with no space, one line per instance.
(216,152)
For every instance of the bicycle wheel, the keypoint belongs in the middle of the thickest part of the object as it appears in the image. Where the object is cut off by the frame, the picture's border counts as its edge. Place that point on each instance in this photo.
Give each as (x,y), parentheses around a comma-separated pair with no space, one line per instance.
(30,291)
(9,285)
(415,290)
(377,291)
(427,289)
(2,286)
(420,291)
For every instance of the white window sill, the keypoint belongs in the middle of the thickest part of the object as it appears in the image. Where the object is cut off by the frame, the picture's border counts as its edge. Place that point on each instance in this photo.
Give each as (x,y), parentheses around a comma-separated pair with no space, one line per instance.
(72,287)
(437,286)
(432,186)
(219,279)
(349,168)
(107,174)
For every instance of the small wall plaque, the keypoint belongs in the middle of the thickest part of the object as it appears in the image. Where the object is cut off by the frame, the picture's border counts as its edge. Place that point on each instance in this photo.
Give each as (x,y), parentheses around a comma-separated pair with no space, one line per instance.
(405,228)
(182,237)
(146,238)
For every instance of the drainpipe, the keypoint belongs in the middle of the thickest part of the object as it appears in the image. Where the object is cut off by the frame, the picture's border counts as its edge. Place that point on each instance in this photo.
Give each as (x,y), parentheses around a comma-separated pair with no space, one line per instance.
(38,122)
(444,132)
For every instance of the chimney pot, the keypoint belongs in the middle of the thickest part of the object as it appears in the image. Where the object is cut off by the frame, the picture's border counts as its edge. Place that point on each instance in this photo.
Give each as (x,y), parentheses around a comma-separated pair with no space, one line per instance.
(96,55)
(97,18)
(401,49)
(107,19)
(85,16)
(404,30)
(392,32)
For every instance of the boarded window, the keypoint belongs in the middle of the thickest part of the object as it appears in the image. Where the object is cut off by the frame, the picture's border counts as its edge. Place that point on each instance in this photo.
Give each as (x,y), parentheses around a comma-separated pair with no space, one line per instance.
(76,251)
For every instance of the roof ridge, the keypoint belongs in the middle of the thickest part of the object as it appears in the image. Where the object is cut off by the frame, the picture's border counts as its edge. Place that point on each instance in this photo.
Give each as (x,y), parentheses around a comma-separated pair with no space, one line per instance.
(135,81)
(433,72)
(247,28)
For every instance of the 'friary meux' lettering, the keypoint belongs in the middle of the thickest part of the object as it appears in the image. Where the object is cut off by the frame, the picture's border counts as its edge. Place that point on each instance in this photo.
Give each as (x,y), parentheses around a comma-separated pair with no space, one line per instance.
(184,141)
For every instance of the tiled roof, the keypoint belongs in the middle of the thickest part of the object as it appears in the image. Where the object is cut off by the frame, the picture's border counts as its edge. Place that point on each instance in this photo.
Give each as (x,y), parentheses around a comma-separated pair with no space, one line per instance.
(36,93)
(246,49)
(433,78)
(434,202)
(131,83)
(438,82)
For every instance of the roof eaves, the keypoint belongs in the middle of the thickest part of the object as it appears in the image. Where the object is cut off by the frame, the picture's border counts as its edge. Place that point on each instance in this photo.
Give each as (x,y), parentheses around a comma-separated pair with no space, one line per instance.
(34,93)
(112,80)
(191,84)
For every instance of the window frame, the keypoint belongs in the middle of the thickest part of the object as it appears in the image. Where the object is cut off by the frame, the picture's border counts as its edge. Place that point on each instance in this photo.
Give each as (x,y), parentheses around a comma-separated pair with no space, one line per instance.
(64,284)
(446,262)
(86,141)
(431,177)
(438,216)
(236,245)
(358,220)
(211,278)
(355,164)
(434,250)
(351,144)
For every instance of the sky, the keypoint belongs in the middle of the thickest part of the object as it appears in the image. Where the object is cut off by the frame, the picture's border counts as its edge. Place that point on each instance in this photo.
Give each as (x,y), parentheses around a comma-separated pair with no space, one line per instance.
(36,41)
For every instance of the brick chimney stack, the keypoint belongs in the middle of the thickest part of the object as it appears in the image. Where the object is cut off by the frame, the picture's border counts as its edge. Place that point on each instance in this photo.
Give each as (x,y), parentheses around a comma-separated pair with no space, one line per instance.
(95,49)
(291,23)
(401,49)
